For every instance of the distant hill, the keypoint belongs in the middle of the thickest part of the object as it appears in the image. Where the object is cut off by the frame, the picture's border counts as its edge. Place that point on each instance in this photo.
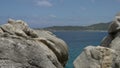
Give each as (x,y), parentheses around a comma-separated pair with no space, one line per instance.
(99,26)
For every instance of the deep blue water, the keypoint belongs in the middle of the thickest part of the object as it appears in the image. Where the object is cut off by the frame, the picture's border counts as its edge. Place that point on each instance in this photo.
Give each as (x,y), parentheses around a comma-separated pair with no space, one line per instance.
(77,40)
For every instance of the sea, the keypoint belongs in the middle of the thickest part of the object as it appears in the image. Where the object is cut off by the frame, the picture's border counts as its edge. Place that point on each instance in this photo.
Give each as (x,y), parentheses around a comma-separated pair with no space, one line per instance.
(78,40)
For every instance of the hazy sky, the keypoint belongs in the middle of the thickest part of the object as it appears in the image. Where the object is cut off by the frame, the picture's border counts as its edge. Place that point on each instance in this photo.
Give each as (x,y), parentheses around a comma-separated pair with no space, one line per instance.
(42,13)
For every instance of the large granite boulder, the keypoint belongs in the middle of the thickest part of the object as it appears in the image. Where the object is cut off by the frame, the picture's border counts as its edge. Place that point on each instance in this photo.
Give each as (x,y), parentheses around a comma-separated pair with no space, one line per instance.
(114,43)
(23,47)
(113,31)
(96,57)
(115,25)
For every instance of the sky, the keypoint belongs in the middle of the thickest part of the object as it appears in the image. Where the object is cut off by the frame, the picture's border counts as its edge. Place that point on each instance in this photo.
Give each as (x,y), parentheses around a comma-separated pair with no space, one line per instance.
(45,13)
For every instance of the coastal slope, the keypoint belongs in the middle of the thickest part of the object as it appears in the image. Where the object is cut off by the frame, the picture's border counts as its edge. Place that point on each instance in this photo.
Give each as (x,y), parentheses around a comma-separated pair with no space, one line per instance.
(94,27)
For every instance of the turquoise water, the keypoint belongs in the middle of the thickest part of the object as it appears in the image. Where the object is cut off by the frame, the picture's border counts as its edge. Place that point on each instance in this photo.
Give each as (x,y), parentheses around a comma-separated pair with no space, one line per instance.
(77,40)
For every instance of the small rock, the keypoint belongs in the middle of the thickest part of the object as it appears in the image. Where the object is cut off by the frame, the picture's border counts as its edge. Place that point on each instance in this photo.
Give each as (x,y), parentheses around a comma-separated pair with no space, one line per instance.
(11,21)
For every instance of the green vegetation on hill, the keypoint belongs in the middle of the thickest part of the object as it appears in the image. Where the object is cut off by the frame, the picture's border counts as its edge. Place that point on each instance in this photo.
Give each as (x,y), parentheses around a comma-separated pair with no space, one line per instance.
(99,26)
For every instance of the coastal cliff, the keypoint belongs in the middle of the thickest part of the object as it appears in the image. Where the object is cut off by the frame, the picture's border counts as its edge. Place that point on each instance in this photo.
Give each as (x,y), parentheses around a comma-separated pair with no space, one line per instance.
(107,55)
(23,47)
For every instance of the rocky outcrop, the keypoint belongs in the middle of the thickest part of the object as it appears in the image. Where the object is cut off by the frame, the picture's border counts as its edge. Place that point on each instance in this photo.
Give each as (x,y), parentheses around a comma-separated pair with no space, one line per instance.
(95,57)
(23,47)
(107,55)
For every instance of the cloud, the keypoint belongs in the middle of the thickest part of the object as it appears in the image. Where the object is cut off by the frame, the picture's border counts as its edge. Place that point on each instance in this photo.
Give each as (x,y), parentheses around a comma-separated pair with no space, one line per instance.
(118,0)
(93,1)
(44,3)
(61,1)
(52,15)
(83,8)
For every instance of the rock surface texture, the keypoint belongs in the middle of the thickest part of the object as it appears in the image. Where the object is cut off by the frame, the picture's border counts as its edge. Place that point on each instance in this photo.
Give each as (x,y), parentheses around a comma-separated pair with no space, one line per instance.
(23,47)
(95,57)
(107,55)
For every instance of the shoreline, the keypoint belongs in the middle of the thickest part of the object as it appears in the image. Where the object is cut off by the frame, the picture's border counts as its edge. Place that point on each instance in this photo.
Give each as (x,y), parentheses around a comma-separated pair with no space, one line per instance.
(73,30)
(77,30)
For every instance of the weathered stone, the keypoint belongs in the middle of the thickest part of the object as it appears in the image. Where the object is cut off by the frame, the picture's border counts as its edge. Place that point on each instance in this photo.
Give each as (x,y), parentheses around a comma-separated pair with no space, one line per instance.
(7,28)
(11,21)
(95,57)
(1,31)
(107,56)
(24,47)
(106,41)
(114,27)
(31,33)
(61,48)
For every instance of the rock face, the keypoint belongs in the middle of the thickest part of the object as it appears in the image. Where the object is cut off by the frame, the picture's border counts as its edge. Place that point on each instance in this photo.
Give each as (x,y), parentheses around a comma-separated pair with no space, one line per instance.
(23,47)
(107,55)
(95,57)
